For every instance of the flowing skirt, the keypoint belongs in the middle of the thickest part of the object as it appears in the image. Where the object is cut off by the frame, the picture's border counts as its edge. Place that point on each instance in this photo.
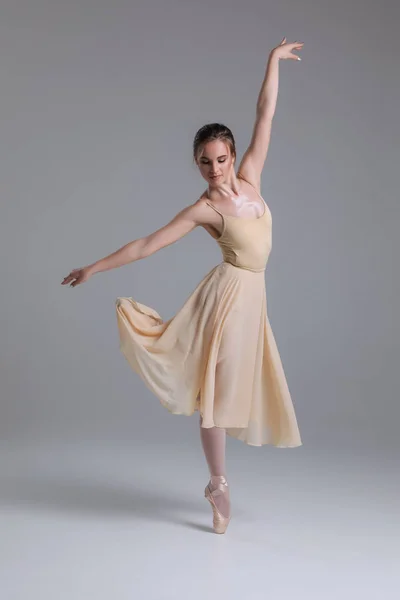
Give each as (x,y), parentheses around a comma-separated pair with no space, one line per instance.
(216,355)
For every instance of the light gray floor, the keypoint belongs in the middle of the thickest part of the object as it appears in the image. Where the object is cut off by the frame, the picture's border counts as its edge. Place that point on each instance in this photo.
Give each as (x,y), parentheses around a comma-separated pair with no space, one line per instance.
(108,519)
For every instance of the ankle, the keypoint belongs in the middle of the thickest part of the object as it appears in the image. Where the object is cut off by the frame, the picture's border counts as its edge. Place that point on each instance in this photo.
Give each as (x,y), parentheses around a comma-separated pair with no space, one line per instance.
(218,479)
(219,482)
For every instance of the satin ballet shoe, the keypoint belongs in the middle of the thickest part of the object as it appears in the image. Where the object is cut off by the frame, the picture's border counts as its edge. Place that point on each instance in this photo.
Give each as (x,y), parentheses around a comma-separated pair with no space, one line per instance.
(220,523)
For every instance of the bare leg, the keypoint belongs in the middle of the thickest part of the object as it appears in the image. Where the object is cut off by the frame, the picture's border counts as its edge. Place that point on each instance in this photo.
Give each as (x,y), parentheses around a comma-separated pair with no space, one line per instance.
(213,441)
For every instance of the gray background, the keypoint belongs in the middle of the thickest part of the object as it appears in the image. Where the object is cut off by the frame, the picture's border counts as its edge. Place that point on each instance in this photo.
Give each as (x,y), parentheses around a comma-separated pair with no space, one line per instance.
(101,488)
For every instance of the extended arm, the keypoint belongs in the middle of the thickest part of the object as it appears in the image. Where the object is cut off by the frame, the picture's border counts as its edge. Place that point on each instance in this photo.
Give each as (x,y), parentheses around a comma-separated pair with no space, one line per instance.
(184,222)
(253,159)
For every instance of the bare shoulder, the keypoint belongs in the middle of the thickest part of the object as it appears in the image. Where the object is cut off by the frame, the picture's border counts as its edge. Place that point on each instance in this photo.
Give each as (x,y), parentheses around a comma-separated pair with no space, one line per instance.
(180,225)
(205,216)
(199,212)
(200,205)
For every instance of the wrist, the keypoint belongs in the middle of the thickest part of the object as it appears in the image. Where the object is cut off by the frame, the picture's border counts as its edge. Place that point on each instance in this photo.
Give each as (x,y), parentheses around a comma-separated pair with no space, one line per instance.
(273,55)
(92,269)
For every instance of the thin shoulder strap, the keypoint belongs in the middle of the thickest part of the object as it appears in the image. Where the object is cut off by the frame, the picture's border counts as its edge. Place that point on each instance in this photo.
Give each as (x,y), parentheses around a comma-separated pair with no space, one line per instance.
(240,176)
(212,206)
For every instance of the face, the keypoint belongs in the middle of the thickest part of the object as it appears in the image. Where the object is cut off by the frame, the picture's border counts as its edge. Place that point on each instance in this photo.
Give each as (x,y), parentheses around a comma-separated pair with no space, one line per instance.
(215,162)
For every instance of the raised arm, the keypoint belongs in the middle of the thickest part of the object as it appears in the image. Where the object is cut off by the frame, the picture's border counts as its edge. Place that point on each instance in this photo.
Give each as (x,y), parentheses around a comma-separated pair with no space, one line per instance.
(253,159)
(184,222)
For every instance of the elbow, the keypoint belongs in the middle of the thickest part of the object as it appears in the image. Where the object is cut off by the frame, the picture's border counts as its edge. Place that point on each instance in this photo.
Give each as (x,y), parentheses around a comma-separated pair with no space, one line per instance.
(265,112)
(138,249)
(148,246)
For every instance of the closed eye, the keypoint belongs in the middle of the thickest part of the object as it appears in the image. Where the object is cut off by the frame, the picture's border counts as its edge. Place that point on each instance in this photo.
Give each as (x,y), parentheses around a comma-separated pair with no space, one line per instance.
(220,161)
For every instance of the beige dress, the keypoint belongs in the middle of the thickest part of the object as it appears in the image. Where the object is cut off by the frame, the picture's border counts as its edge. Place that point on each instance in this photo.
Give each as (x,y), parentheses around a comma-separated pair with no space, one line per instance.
(217,354)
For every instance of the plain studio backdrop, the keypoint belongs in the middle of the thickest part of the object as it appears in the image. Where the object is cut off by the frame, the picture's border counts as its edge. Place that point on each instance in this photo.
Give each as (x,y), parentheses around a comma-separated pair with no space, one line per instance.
(101,487)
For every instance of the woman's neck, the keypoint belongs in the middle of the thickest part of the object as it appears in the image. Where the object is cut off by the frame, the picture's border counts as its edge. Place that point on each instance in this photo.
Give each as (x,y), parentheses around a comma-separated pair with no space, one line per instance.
(232,184)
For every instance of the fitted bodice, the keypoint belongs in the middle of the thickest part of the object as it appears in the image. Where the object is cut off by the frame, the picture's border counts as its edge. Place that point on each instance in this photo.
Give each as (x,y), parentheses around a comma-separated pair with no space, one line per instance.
(246,242)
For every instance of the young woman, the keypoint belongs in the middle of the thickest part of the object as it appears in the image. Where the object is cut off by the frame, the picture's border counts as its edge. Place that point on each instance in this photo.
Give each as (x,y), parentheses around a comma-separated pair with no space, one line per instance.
(218,354)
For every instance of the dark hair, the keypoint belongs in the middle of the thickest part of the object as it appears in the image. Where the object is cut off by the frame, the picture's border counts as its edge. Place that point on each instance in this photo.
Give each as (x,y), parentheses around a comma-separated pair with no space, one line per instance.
(210,132)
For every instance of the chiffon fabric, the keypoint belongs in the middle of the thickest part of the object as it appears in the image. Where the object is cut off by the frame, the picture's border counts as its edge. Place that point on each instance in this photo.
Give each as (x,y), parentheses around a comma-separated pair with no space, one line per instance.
(217,354)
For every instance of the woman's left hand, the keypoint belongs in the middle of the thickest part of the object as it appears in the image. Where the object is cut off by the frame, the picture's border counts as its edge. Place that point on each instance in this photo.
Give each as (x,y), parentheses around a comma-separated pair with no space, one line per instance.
(285,50)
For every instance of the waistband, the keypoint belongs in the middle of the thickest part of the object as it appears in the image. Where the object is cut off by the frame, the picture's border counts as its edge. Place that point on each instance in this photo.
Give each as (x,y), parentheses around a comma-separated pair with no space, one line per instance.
(245,268)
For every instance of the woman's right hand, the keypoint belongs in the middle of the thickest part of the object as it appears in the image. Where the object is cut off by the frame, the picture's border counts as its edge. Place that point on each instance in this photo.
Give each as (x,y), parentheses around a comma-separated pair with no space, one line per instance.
(77,276)
(285,50)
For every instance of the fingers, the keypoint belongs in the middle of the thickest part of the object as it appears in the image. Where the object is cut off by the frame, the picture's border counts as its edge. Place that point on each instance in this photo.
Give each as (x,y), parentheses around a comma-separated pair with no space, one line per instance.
(70,277)
(76,277)
(296,46)
(67,279)
(76,282)
(290,47)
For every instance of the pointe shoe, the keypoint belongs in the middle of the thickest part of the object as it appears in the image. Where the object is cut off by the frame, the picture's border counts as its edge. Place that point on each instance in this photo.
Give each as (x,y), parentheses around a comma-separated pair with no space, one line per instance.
(220,523)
